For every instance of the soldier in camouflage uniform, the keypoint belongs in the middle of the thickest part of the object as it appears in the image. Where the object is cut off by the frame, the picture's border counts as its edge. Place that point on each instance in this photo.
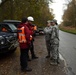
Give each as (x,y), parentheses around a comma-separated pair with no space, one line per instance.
(47,32)
(54,43)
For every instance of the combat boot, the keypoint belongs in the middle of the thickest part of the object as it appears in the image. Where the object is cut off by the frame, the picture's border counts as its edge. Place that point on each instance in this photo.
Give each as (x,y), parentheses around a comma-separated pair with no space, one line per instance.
(48,56)
(54,62)
(26,69)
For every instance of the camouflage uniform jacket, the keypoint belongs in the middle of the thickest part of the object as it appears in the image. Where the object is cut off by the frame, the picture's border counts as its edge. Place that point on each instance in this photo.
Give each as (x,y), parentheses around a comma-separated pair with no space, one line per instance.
(54,35)
(47,32)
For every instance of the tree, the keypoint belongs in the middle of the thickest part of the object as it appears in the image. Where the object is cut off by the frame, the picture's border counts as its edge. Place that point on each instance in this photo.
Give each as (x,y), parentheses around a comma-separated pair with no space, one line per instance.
(16,9)
(69,16)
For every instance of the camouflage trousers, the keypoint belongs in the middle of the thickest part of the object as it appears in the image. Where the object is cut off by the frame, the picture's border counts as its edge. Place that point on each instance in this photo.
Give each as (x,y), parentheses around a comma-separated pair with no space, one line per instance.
(55,51)
(48,46)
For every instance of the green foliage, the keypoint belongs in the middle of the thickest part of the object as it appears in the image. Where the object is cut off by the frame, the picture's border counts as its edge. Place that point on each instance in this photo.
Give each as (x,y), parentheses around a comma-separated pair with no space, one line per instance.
(69,17)
(16,9)
(67,23)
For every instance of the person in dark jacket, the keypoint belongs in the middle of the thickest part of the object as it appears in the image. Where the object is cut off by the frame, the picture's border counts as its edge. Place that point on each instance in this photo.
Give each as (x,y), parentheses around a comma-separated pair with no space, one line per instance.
(31,28)
(24,43)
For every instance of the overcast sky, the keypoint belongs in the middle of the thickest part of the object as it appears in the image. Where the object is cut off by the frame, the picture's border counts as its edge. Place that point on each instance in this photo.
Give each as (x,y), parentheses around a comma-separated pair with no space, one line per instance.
(58,7)
(0,1)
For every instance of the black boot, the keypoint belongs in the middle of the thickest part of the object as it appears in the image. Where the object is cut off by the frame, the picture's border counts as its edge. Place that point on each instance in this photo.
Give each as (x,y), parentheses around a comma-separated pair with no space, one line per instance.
(29,59)
(58,62)
(47,56)
(34,57)
(26,69)
(54,62)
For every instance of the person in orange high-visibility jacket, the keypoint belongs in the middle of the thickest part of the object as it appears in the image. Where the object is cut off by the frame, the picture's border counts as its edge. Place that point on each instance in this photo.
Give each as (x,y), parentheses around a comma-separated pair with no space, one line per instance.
(24,43)
(31,28)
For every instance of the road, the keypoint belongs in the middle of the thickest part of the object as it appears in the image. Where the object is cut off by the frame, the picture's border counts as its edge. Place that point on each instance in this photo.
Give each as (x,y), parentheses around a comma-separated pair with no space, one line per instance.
(10,64)
(68,50)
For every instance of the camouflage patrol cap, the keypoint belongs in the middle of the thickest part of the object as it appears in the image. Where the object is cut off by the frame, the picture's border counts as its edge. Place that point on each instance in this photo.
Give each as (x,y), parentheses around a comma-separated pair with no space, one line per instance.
(55,21)
(48,21)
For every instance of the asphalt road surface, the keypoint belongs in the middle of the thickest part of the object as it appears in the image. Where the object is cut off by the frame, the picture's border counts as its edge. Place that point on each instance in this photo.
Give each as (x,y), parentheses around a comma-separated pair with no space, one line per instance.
(68,50)
(10,64)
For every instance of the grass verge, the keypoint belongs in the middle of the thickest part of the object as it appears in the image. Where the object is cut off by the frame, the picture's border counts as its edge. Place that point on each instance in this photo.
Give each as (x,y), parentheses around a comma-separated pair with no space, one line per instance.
(71,30)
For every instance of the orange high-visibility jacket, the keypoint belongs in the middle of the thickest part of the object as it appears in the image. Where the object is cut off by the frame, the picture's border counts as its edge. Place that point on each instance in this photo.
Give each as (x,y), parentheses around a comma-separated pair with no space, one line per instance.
(21,35)
(4,29)
(35,27)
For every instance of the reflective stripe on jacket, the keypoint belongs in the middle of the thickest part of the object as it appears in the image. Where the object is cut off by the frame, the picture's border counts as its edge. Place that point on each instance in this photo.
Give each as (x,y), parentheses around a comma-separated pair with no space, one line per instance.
(21,35)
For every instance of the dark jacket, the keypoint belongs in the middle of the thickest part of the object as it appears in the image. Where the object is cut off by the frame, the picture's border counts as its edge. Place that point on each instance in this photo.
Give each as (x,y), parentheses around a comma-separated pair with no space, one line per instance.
(31,28)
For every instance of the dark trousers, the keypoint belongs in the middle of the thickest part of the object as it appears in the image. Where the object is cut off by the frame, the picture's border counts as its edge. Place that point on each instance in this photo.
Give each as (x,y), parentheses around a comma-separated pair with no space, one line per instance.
(31,50)
(24,58)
